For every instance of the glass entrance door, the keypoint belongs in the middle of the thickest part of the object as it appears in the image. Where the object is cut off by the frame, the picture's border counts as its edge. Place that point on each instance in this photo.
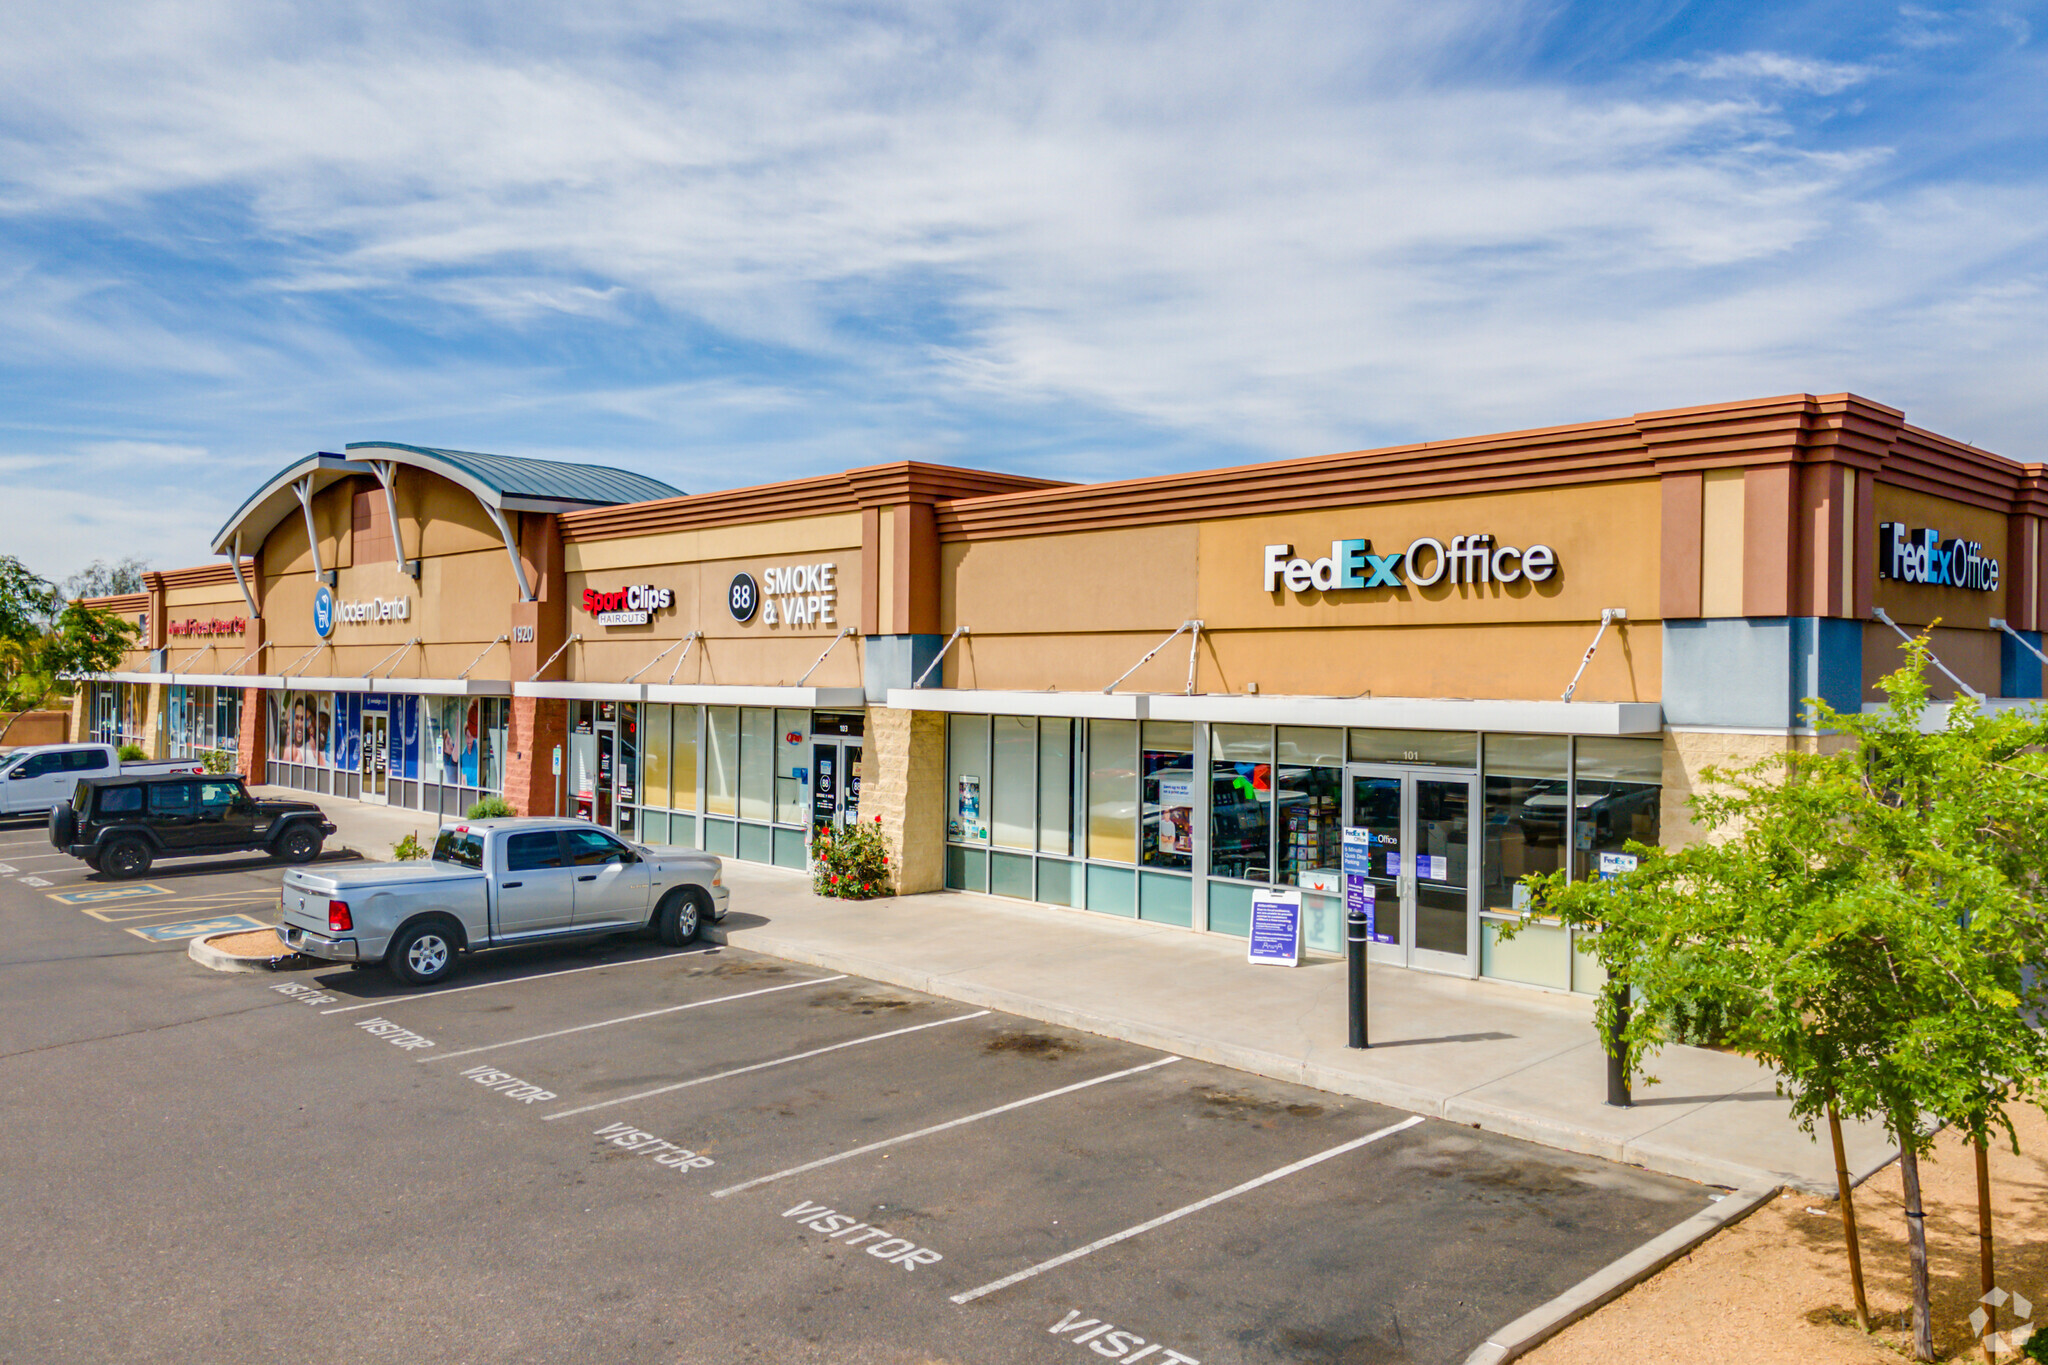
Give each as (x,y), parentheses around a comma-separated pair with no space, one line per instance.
(1420,824)
(376,786)
(835,783)
(607,746)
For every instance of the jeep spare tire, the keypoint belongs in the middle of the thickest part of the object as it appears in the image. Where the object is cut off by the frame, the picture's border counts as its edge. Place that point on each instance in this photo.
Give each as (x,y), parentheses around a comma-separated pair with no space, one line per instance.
(63,826)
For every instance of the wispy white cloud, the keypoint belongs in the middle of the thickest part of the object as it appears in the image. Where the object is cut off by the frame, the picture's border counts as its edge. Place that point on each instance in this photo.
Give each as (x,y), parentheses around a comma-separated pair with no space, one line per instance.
(738,242)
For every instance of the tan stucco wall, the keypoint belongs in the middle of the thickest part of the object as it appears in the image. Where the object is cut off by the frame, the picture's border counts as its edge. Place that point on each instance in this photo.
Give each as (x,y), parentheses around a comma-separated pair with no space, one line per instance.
(1074,611)
(698,567)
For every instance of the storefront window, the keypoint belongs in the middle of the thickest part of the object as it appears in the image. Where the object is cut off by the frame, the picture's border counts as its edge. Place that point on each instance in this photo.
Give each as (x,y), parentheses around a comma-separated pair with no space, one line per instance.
(1526,800)
(1112,791)
(682,759)
(625,800)
(1436,748)
(1241,802)
(1620,786)
(1167,792)
(722,761)
(654,747)
(582,759)
(757,764)
(792,786)
(1014,780)
(1309,791)
(966,772)
(1055,786)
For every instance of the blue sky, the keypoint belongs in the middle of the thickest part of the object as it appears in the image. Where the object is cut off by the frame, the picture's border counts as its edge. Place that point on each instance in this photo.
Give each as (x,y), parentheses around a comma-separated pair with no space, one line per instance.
(730,243)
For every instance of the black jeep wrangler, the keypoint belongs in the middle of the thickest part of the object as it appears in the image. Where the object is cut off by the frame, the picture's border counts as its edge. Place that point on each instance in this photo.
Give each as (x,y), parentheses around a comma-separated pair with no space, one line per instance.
(120,825)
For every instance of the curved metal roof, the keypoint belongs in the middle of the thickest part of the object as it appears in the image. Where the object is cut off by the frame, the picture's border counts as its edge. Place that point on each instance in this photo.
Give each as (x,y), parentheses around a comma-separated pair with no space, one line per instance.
(508,483)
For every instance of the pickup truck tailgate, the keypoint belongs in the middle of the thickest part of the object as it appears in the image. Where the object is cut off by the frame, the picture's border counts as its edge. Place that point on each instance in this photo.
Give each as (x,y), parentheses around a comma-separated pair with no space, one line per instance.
(307,890)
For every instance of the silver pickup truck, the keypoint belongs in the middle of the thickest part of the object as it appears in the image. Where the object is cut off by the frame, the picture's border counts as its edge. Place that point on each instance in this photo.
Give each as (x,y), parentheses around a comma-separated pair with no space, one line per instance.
(493,884)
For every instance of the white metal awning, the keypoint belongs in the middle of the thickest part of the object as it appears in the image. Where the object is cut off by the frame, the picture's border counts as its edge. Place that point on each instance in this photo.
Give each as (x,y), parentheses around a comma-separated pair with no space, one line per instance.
(1376,713)
(701,694)
(419,687)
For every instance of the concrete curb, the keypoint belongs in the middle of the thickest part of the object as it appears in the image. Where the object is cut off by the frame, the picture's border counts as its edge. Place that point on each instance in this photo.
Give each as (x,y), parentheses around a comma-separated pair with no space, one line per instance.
(1618,1276)
(1280,1067)
(206,955)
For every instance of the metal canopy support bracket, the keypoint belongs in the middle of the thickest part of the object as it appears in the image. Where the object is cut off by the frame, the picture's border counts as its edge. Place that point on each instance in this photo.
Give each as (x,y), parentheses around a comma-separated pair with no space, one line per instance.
(689,643)
(480,658)
(1881,614)
(552,657)
(287,670)
(958,631)
(2000,623)
(258,649)
(304,488)
(173,669)
(511,549)
(1607,616)
(684,642)
(828,649)
(387,474)
(393,655)
(1195,626)
(235,562)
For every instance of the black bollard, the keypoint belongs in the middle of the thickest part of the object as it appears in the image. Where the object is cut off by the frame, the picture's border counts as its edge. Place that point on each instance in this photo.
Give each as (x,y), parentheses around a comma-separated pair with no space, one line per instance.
(1358,932)
(1617,1052)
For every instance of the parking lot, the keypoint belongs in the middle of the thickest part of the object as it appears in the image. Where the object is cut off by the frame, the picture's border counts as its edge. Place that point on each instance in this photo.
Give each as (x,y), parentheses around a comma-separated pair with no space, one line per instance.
(625,1152)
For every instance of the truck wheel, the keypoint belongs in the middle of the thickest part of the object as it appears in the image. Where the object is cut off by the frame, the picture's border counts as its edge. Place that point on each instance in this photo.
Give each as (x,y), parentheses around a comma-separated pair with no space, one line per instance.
(125,858)
(423,954)
(679,917)
(300,844)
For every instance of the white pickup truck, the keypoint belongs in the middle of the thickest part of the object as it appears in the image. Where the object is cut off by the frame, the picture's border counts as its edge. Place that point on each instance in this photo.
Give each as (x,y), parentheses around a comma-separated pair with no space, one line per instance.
(492,884)
(38,778)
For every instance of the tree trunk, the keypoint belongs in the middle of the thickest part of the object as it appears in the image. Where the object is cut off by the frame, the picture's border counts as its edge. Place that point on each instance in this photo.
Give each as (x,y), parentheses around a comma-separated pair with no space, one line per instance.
(1985,1274)
(1848,1219)
(1916,1241)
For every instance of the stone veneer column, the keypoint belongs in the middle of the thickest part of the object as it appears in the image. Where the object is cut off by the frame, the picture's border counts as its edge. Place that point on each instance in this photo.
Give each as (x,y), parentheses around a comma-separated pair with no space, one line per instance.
(252,736)
(1688,752)
(903,781)
(538,725)
(81,712)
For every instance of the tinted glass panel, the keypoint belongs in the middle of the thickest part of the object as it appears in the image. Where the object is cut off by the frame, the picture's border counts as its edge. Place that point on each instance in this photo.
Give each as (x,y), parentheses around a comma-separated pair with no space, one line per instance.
(590,848)
(85,760)
(171,798)
(464,850)
(120,800)
(539,848)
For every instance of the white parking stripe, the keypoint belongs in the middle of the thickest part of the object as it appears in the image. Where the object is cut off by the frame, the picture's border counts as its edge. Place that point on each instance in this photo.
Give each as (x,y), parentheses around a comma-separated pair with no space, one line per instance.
(515,980)
(1163,1219)
(628,1018)
(759,1066)
(939,1127)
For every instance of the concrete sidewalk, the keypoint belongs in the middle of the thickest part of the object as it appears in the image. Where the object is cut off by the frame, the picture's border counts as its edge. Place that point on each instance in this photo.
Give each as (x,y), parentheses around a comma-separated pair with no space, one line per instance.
(1506,1058)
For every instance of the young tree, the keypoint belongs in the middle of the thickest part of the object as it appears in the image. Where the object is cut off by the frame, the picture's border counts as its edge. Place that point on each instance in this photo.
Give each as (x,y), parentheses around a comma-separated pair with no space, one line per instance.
(1863,918)
(41,644)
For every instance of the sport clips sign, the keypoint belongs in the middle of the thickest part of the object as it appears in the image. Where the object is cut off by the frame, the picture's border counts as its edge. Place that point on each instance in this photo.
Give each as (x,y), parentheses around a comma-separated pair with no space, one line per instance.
(1427,561)
(1922,556)
(634,606)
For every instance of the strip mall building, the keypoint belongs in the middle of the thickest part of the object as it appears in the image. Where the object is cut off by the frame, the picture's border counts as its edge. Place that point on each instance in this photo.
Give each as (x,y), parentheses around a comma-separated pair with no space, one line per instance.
(1146,698)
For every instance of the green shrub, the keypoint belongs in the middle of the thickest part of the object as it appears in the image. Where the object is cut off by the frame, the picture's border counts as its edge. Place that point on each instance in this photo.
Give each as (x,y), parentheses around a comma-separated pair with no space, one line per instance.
(131,753)
(851,863)
(217,761)
(408,848)
(491,808)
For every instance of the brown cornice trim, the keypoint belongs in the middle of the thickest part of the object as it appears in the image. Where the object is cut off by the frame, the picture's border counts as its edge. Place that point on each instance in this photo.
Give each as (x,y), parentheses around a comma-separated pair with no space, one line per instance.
(1789,429)
(848,491)
(127,601)
(198,576)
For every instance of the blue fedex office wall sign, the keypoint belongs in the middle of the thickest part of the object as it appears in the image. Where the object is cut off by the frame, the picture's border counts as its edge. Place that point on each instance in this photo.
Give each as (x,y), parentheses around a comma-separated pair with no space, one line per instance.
(323,611)
(1276,929)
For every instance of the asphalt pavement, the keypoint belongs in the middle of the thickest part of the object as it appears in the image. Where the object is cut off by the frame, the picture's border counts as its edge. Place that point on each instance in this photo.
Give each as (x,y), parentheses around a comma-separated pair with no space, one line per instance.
(623,1152)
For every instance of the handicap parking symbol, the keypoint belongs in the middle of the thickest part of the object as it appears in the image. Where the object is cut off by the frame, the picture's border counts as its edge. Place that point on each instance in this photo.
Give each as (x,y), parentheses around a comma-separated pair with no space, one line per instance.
(94,895)
(194,928)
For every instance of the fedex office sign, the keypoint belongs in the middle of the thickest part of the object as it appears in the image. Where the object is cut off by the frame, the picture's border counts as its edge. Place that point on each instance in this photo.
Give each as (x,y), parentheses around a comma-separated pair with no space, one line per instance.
(1426,562)
(1922,556)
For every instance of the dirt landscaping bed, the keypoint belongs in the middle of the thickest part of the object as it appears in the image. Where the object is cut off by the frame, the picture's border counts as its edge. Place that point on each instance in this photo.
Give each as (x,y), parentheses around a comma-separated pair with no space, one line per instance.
(1774,1289)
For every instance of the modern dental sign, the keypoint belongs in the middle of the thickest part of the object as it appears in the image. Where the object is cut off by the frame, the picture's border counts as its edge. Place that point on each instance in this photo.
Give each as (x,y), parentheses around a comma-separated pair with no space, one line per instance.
(1427,561)
(1922,556)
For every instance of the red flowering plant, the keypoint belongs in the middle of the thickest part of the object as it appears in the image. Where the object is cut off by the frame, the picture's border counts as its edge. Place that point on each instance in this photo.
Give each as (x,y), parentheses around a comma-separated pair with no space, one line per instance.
(851,863)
